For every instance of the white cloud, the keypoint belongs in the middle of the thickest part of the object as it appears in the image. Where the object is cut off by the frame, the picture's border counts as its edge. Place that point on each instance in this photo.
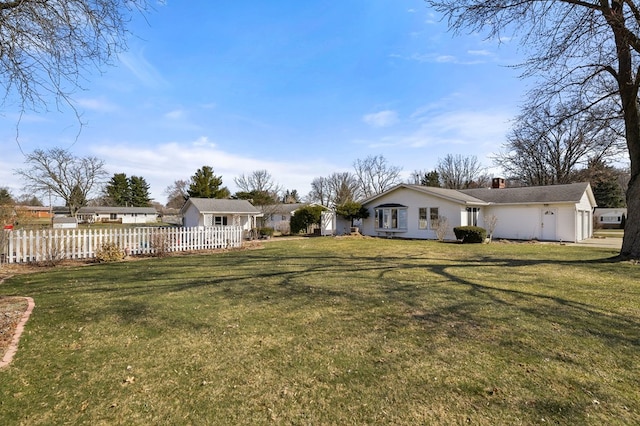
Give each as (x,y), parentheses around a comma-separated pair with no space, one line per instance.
(479,52)
(433,131)
(142,69)
(445,58)
(96,104)
(381,119)
(165,163)
(175,114)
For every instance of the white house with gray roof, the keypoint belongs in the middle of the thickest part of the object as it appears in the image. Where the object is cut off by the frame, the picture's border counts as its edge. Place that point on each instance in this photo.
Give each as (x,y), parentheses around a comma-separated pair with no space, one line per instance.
(278,217)
(116,214)
(219,212)
(549,213)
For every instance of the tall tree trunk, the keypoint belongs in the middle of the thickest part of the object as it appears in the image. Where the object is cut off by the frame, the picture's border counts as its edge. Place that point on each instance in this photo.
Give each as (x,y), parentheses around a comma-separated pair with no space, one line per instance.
(631,241)
(628,87)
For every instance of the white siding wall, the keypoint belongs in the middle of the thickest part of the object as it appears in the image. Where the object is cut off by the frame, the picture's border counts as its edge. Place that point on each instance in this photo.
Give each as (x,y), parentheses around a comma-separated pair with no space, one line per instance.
(568,222)
(514,222)
(279,221)
(524,222)
(192,217)
(343,226)
(414,200)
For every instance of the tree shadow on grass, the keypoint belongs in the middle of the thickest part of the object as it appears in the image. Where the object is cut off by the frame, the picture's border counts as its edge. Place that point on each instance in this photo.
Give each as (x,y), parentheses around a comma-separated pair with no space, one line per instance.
(440,295)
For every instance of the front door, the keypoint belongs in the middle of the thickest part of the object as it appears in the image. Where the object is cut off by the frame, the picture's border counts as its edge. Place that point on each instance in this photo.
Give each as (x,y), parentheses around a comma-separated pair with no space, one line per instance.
(549,219)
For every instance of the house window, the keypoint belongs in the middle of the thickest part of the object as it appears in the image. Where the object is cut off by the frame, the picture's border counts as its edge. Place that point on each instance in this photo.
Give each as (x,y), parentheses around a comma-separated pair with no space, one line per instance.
(472,216)
(434,216)
(113,216)
(219,221)
(283,217)
(422,218)
(391,217)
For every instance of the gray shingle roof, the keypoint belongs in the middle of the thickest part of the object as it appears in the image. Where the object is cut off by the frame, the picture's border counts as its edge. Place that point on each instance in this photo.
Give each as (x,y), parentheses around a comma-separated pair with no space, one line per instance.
(288,208)
(116,209)
(531,195)
(448,194)
(216,205)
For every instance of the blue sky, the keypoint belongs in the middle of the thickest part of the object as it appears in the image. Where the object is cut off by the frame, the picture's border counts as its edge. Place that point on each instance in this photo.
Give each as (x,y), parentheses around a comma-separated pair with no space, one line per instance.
(301,89)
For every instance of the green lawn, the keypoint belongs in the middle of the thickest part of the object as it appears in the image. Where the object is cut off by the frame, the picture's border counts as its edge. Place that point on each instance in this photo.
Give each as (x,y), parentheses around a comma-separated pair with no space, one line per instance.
(333,331)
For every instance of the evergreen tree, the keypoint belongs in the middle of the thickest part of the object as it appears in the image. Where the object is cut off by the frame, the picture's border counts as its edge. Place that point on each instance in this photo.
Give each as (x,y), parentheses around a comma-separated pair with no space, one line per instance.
(139,192)
(204,184)
(118,190)
(305,217)
(431,178)
(605,183)
(352,210)
(5,197)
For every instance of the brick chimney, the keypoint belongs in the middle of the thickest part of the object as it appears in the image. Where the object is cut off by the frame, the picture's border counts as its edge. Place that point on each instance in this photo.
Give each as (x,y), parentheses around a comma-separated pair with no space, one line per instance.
(497,183)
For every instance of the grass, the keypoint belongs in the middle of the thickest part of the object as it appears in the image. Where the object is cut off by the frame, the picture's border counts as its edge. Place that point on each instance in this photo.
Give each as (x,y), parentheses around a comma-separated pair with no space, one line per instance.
(333,331)
(608,233)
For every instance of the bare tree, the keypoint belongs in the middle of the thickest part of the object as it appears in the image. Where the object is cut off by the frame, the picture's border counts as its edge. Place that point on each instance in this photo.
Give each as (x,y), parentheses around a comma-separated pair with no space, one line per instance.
(461,172)
(46,46)
(57,171)
(589,49)
(320,192)
(258,181)
(375,175)
(335,189)
(344,188)
(177,193)
(549,143)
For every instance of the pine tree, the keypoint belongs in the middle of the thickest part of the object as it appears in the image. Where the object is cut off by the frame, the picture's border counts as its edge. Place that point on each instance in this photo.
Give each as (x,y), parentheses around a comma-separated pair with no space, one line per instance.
(204,184)
(139,192)
(118,190)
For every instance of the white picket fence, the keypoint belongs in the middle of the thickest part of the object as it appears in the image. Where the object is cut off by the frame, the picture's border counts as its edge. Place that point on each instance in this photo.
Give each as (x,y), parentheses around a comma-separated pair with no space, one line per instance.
(24,246)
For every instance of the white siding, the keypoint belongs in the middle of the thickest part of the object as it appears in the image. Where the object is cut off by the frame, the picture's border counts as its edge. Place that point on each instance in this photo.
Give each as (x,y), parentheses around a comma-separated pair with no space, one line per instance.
(192,217)
(524,222)
(414,200)
(514,222)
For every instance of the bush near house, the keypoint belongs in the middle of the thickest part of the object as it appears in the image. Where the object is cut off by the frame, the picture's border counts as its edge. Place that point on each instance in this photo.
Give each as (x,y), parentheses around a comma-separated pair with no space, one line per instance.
(266,232)
(470,234)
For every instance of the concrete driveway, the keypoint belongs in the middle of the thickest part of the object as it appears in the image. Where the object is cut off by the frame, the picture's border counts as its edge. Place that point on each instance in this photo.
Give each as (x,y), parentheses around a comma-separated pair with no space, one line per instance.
(608,242)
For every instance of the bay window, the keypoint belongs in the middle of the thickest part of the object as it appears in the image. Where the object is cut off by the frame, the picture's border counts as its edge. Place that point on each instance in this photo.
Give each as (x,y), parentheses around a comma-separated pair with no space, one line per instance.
(391,217)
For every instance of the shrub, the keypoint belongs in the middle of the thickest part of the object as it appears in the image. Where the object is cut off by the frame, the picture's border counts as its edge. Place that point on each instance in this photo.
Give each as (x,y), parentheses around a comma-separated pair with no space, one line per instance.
(304,217)
(109,252)
(266,232)
(470,234)
(442,227)
(160,243)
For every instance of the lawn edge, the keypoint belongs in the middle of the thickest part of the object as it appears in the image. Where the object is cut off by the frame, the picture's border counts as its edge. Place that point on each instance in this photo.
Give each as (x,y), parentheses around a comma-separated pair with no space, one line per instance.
(13,346)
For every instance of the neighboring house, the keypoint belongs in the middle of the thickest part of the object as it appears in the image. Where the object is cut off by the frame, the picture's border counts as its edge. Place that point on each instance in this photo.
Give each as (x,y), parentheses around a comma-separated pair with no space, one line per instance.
(609,218)
(39,212)
(219,212)
(278,217)
(124,215)
(550,213)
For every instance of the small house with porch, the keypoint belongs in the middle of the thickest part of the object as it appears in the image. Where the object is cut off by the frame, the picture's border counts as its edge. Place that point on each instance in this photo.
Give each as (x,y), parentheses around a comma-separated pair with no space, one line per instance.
(219,212)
